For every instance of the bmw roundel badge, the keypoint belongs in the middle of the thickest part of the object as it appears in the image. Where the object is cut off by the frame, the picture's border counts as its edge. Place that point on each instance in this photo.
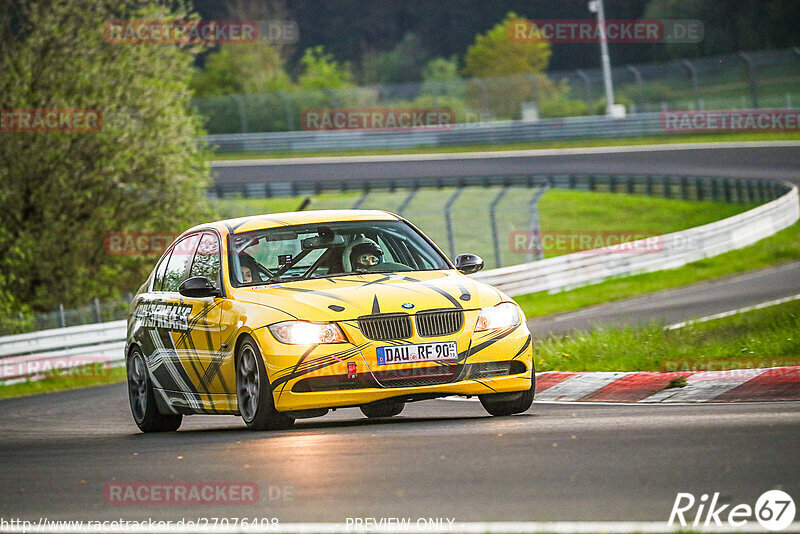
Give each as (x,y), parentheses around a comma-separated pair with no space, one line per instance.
(408,306)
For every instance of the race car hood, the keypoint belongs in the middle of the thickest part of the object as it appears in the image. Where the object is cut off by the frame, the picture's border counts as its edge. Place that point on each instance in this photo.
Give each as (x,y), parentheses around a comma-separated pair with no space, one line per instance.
(351,296)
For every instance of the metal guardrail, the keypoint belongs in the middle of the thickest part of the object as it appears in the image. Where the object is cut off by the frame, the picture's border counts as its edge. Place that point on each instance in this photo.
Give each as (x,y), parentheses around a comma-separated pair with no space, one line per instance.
(61,349)
(641,124)
(671,250)
(34,353)
(460,134)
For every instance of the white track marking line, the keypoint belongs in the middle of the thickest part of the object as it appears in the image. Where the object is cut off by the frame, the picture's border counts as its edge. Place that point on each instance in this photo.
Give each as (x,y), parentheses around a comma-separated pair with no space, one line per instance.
(578,386)
(413,525)
(500,153)
(702,387)
(733,312)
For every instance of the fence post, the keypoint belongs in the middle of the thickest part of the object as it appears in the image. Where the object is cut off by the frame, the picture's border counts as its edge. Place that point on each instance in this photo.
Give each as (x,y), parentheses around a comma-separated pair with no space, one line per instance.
(493,220)
(96,303)
(693,75)
(534,223)
(451,238)
(288,108)
(587,85)
(361,199)
(62,320)
(242,115)
(748,61)
(402,208)
(639,85)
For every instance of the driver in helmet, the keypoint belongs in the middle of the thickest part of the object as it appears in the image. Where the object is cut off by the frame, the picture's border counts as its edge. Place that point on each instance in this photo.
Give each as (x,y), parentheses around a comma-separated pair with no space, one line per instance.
(364,254)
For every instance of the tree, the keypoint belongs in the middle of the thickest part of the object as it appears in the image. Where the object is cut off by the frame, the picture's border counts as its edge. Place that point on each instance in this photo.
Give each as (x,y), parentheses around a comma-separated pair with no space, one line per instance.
(403,63)
(242,69)
(496,54)
(322,71)
(64,193)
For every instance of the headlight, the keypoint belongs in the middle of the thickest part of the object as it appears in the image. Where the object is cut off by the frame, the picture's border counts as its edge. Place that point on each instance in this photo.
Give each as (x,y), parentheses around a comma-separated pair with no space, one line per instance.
(305,333)
(503,315)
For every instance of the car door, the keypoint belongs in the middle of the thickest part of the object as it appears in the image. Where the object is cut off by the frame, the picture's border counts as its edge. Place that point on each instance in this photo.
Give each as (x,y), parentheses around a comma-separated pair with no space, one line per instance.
(206,346)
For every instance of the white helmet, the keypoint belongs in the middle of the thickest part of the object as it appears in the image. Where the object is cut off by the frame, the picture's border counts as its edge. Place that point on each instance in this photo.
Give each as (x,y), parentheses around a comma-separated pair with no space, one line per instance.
(362,252)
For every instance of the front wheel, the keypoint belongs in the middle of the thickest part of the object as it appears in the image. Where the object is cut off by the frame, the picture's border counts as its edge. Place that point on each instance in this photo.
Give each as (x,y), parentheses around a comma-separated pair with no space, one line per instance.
(383,409)
(143,400)
(499,404)
(254,393)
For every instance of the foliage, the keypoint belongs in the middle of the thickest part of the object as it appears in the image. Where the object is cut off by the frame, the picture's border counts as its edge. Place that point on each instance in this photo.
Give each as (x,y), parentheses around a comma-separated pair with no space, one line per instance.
(241,68)
(496,54)
(64,192)
(322,71)
(403,63)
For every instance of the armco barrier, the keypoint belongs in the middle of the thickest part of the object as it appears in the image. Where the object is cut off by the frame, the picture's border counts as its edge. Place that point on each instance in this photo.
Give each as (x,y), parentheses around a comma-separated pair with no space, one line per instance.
(674,250)
(27,354)
(501,132)
(642,124)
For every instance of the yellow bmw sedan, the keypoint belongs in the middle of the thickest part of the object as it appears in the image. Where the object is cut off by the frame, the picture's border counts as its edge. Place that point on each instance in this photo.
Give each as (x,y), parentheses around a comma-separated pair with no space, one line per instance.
(288,315)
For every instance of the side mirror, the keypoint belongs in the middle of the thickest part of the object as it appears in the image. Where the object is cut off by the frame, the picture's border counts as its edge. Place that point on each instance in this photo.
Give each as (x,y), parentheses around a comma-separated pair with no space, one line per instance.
(198,287)
(469,263)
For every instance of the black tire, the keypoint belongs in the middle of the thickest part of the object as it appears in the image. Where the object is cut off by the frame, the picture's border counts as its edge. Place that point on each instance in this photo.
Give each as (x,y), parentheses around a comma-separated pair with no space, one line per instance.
(142,400)
(383,409)
(498,405)
(253,391)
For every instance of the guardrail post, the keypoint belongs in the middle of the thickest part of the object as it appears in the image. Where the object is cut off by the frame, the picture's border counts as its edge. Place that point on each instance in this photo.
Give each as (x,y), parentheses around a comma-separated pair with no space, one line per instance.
(698,184)
(739,192)
(751,74)
(666,189)
(728,192)
(693,76)
(451,238)
(96,303)
(649,186)
(62,320)
(493,220)
(629,184)
(534,224)
(684,188)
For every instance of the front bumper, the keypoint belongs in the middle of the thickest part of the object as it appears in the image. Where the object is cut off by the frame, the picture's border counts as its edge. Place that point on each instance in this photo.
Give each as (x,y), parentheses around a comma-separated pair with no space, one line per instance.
(306,378)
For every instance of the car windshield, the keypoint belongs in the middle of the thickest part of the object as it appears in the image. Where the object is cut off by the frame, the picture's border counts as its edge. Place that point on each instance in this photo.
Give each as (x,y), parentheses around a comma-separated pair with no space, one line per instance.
(329,249)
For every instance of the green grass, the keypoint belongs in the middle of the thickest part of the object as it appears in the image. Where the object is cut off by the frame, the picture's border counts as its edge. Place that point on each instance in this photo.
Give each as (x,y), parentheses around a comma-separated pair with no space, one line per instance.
(769,337)
(78,377)
(779,248)
(566,143)
(561,211)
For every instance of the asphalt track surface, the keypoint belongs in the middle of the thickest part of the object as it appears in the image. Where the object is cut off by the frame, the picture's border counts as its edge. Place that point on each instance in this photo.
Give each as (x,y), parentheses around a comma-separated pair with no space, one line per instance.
(738,160)
(439,459)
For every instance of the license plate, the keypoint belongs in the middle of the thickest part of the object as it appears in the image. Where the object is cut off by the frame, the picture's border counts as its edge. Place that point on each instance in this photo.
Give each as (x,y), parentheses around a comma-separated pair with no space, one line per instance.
(423,352)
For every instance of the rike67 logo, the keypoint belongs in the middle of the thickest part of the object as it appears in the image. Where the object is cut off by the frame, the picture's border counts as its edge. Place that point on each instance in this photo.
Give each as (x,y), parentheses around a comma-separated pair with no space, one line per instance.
(774,510)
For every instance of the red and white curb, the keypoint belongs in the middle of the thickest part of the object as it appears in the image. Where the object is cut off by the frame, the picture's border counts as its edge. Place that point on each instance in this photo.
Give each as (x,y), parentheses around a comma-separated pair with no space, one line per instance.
(737,385)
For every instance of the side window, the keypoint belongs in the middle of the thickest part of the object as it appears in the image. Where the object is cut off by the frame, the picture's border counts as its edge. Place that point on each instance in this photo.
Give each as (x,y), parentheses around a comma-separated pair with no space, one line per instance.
(158,279)
(178,267)
(206,261)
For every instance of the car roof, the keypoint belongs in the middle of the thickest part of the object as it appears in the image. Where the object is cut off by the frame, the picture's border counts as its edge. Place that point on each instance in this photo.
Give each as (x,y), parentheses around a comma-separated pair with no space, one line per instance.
(276,220)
